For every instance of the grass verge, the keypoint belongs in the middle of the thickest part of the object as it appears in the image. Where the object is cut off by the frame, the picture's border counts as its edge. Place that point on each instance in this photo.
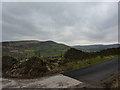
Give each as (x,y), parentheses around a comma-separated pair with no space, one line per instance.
(76,64)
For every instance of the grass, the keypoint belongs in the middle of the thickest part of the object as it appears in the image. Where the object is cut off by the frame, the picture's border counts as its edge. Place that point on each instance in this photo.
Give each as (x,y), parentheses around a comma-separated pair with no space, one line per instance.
(82,63)
(115,82)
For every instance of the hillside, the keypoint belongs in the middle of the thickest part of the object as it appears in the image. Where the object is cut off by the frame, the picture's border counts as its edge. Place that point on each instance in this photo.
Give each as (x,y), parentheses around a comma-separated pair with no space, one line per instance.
(30,48)
(94,48)
(33,48)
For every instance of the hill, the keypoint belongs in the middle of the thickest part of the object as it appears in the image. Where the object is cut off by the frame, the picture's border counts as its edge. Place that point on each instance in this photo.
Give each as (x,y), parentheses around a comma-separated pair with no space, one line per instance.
(74,54)
(94,48)
(32,48)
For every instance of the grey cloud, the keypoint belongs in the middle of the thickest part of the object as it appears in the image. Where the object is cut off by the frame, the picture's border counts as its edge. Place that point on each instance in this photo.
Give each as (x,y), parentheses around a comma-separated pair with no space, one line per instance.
(70,23)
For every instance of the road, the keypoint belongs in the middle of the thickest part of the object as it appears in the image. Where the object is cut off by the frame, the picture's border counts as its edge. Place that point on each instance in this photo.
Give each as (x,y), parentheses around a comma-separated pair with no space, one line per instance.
(94,74)
(91,75)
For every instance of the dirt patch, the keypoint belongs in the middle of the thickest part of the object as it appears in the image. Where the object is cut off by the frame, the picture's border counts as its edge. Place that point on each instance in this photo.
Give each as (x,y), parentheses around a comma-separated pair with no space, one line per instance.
(112,81)
(108,83)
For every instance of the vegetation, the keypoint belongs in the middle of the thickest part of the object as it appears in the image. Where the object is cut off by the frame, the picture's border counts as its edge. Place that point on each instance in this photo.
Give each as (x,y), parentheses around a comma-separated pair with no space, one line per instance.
(83,63)
(26,49)
(115,81)
(37,66)
(73,54)
(33,67)
(112,82)
(8,62)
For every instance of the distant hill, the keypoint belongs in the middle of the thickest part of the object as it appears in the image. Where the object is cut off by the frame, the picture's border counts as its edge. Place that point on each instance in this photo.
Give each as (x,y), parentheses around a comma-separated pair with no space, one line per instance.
(31,48)
(94,48)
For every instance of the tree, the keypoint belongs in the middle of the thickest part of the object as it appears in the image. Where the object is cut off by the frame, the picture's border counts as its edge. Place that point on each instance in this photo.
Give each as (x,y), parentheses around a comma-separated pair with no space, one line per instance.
(73,54)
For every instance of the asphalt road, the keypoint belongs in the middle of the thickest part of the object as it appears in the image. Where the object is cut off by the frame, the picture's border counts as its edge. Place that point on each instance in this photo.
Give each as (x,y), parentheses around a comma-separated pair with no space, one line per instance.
(94,74)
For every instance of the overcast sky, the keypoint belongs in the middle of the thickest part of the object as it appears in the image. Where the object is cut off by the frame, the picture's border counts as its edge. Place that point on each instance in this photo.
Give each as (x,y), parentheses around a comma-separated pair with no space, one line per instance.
(69,23)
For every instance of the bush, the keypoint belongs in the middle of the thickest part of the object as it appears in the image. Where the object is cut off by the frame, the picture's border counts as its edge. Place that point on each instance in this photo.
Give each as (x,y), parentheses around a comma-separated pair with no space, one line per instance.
(8,62)
(35,66)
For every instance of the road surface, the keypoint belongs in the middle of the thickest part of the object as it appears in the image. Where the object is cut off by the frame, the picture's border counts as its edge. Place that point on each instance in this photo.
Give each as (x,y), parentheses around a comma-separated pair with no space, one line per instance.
(94,74)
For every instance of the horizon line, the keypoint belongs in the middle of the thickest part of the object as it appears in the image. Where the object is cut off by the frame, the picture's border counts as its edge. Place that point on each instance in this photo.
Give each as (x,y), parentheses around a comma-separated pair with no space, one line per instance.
(61,42)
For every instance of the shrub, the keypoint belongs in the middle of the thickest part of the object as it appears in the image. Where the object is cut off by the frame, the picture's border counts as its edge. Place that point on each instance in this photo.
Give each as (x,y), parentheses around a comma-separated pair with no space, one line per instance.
(8,62)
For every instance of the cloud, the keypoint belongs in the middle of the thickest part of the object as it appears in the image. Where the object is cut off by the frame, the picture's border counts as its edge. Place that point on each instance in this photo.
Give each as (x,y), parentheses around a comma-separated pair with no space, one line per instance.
(70,23)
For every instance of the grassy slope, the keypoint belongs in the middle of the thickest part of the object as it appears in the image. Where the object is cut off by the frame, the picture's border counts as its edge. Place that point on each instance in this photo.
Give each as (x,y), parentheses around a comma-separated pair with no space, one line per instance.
(28,48)
(82,63)
(47,48)
(51,49)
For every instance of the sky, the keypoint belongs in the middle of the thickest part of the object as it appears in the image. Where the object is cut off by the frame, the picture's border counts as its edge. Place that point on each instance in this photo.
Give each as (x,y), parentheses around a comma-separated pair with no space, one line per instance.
(71,23)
